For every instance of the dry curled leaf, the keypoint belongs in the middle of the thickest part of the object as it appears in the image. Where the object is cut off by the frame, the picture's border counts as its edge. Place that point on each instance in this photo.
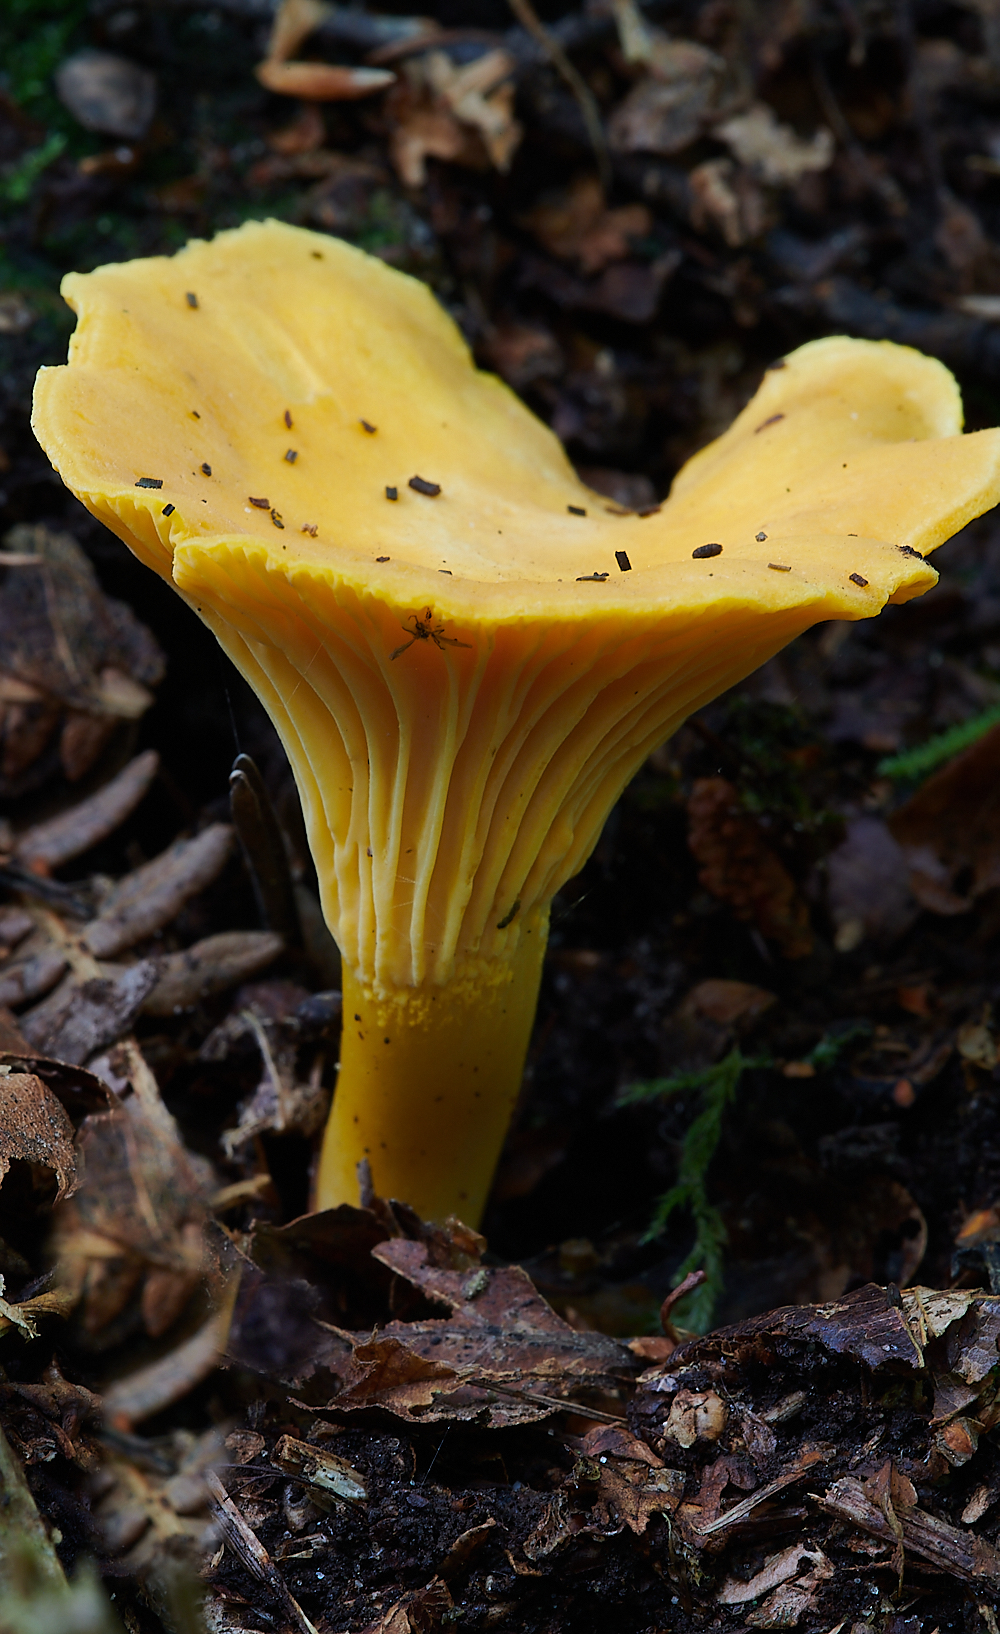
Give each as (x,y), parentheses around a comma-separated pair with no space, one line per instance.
(950,830)
(465,114)
(772,151)
(137,1220)
(669,107)
(577,225)
(35,1129)
(73,662)
(738,866)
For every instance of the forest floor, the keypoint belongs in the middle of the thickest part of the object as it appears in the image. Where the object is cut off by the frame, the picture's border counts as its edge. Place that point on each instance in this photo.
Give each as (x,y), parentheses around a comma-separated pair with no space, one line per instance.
(775,979)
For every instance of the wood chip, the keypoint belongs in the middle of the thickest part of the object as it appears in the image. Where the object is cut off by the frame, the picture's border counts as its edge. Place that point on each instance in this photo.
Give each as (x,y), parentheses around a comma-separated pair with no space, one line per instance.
(208,967)
(149,898)
(320,1469)
(61,838)
(949,1548)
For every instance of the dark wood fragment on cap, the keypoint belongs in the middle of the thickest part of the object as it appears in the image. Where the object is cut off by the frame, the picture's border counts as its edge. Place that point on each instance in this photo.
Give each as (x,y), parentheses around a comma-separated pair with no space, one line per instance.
(621,557)
(591,578)
(168,510)
(367,425)
(908,550)
(576,510)
(261,504)
(706,550)
(149,482)
(420,485)
(856,578)
(392,493)
(191,298)
(206,468)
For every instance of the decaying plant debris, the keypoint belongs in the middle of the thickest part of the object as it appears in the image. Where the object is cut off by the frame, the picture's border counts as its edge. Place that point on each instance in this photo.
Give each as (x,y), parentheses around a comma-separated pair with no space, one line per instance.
(768,1043)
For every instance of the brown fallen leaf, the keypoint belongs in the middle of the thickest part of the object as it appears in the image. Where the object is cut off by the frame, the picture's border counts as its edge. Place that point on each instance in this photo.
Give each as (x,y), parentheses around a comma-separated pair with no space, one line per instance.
(577,225)
(670,106)
(74,661)
(137,1219)
(495,1359)
(35,1129)
(414,1613)
(868,887)
(726,1002)
(465,114)
(738,866)
(950,830)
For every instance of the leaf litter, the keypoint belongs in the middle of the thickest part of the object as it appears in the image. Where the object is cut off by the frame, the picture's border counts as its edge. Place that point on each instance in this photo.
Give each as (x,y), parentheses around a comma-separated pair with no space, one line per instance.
(356,1421)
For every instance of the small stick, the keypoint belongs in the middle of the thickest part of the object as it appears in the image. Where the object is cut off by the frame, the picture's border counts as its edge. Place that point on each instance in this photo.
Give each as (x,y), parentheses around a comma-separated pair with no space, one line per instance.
(529,19)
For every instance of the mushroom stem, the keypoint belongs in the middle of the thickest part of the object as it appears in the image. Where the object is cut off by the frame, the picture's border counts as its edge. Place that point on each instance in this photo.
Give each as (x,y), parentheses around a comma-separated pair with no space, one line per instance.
(429,1077)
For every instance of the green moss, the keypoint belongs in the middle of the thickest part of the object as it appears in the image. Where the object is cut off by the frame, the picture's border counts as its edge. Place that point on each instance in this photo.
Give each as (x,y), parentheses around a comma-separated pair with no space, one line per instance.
(35,36)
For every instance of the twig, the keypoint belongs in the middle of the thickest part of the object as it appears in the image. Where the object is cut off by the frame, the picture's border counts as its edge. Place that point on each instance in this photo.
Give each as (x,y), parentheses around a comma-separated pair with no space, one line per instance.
(529,19)
(553,1401)
(245,1543)
(884,186)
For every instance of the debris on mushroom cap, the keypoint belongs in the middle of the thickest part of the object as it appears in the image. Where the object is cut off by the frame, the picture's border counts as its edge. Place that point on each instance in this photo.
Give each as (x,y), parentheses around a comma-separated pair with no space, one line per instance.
(514,594)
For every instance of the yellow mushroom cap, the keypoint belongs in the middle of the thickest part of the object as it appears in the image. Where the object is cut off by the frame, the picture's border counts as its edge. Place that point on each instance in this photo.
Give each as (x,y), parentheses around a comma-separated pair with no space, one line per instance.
(277,382)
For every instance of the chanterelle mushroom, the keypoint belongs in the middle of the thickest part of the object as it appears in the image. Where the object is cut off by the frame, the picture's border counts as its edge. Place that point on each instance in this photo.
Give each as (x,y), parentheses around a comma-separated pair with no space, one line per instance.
(466,652)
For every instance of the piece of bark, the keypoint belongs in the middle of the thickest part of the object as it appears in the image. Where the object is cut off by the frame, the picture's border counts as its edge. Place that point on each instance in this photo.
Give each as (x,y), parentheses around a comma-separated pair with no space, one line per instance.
(31,977)
(865,1324)
(82,1017)
(319,1468)
(209,967)
(948,1547)
(61,838)
(146,900)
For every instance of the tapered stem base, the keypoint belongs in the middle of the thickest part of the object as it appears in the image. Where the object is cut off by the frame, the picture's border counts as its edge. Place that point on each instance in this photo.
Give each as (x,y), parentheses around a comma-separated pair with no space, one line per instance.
(429,1077)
